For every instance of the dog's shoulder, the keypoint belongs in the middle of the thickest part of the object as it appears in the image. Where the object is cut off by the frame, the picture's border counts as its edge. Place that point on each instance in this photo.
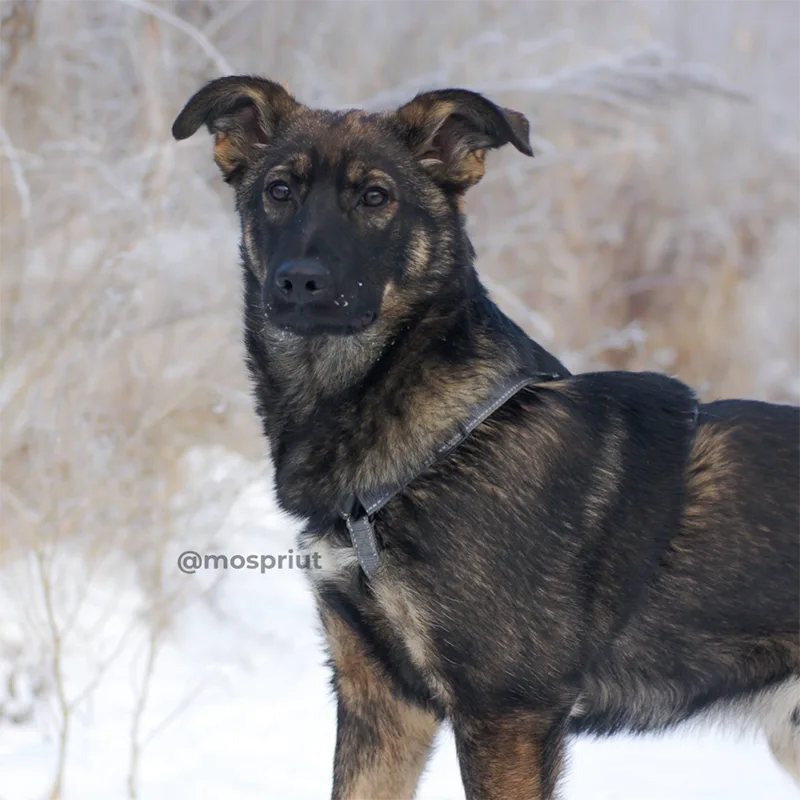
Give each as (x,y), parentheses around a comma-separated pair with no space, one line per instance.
(651,395)
(650,406)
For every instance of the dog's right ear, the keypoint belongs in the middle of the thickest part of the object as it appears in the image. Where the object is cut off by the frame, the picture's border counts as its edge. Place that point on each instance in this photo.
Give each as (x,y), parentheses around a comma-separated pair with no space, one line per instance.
(242,112)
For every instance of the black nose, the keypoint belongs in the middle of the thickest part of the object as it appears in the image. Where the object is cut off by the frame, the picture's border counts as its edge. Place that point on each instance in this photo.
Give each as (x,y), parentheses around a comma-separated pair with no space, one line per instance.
(303,281)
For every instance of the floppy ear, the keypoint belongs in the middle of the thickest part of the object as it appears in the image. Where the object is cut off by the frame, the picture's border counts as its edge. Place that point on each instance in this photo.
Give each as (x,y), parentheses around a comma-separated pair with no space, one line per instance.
(449,132)
(242,111)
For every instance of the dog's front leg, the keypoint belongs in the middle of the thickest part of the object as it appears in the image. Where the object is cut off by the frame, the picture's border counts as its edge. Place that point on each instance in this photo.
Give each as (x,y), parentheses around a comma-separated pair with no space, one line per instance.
(382,741)
(512,756)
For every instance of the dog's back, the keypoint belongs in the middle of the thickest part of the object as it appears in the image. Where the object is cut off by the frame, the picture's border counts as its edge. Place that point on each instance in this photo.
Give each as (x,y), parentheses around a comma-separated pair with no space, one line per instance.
(690,652)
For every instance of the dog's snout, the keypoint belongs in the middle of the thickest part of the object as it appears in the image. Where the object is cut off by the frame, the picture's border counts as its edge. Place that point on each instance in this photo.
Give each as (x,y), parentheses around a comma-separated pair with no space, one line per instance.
(305,296)
(303,281)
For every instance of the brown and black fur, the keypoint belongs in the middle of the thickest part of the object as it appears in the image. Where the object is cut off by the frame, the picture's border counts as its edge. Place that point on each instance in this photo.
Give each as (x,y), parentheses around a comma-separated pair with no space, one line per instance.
(596,557)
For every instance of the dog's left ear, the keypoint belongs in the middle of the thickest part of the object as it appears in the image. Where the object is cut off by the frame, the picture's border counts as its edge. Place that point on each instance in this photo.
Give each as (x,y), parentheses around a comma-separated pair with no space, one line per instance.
(449,132)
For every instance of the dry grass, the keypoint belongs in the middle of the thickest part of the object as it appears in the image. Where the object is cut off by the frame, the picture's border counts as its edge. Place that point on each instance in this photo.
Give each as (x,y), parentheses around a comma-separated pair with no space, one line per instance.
(657,228)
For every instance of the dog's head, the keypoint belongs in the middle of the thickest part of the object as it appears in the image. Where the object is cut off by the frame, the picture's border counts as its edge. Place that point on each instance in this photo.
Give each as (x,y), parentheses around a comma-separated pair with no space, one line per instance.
(347,215)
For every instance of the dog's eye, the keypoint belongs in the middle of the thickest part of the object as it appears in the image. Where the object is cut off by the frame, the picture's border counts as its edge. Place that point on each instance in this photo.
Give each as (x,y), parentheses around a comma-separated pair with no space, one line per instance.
(280,191)
(374,197)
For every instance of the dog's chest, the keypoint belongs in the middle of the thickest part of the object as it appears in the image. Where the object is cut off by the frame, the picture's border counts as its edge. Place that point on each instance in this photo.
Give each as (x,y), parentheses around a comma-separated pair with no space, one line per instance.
(391,606)
(409,617)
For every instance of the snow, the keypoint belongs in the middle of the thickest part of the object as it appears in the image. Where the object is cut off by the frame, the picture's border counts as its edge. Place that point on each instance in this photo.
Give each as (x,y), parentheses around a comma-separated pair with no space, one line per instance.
(239,705)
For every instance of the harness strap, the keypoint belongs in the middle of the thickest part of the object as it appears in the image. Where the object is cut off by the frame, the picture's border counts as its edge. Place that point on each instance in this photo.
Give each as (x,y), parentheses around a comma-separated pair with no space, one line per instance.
(365,505)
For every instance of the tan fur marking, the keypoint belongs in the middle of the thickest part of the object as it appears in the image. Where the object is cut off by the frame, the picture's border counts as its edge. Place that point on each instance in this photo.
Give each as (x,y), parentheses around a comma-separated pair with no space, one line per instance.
(388,766)
(506,756)
(408,618)
(471,169)
(710,468)
(259,268)
(605,476)
(235,146)
(419,252)
(457,391)
(393,304)
(458,164)
(435,417)
(381,177)
(357,121)
(427,115)
(300,165)
(355,172)
(227,151)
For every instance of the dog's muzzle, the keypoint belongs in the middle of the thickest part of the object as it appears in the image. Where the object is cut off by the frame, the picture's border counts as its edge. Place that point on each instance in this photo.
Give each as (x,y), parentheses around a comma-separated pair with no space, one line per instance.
(302,296)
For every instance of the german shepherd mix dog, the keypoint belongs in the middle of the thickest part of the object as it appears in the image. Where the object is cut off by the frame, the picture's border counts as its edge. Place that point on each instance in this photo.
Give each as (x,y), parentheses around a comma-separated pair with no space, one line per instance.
(521,552)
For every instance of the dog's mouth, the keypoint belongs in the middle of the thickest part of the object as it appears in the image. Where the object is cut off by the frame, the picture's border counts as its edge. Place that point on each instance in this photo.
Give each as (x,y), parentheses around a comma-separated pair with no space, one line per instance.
(307,321)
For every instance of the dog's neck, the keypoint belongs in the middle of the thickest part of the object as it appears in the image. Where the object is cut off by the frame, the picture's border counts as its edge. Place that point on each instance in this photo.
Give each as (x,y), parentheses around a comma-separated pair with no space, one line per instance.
(379,402)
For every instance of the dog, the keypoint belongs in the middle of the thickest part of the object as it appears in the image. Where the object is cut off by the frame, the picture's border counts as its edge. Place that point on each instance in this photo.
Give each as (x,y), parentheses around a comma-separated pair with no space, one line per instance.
(523,553)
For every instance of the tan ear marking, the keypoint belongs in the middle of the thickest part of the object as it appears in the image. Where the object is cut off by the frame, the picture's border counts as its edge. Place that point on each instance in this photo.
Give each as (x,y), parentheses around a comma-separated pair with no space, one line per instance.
(242,111)
(450,131)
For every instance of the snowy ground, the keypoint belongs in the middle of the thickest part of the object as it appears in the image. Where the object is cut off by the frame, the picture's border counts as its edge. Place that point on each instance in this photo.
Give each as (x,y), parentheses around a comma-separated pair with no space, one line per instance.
(239,706)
